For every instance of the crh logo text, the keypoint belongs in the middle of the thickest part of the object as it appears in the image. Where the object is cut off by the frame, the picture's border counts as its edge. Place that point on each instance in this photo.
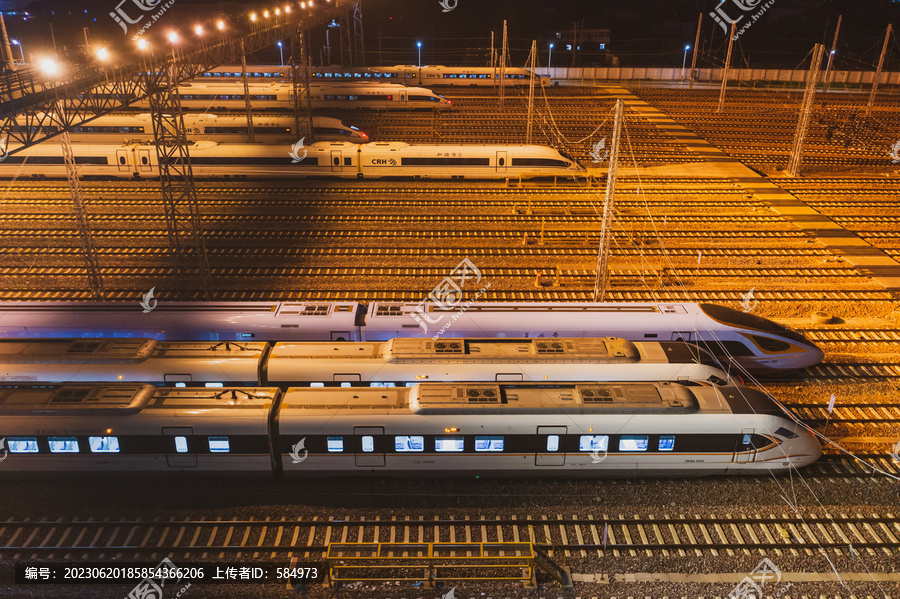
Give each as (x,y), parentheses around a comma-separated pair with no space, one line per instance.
(295,151)
(721,17)
(121,17)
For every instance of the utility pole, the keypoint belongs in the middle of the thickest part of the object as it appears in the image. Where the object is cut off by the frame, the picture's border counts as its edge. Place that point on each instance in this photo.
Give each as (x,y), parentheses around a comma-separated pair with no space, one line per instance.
(725,70)
(837,31)
(531,90)
(7,48)
(574,41)
(503,65)
(247,105)
(602,280)
(696,50)
(95,280)
(887,37)
(300,60)
(809,98)
(492,52)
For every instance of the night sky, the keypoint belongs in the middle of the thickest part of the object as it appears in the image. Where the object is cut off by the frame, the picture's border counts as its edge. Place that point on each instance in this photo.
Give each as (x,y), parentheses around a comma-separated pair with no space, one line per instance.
(642,32)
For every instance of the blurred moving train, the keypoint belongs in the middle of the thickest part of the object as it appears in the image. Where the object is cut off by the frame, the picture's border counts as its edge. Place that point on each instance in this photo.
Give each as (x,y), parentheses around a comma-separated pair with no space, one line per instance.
(278,96)
(430,429)
(322,159)
(736,338)
(405,74)
(397,362)
(219,128)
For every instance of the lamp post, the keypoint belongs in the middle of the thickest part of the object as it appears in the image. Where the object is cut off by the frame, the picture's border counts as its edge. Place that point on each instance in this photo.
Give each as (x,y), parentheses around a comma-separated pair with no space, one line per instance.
(21,48)
(684,60)
(281,51)
(419,44)
(549,58)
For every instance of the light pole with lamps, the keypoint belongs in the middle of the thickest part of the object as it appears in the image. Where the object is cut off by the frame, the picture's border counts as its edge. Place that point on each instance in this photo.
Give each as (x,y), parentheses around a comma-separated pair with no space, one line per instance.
(21,48)
(549,58)
(684,60)
(281,51)
(419,44)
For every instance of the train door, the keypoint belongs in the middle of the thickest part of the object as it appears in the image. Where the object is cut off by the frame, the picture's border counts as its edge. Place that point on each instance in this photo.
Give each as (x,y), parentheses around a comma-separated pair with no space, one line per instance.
(501,162)
(178,451)
(682,335)
(549,450)
(369,454)
(336,160)
(144,161)
(122,161)
(743,449)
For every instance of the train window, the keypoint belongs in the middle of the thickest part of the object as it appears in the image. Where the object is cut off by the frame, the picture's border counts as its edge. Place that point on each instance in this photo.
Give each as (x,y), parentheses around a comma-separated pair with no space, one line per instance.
(181,444)
(449,444)
(317,384)
(180,385)
(593,443)
(783,432)
(488,443)
(121,160)
(633,442)
(770,345)
(405,443)
(63,445)
(411,384)
(337,161)
(345,384)
(726,348)
(502,162)
(219,445)
(104,444)
(382,384)
(335,444)
(666,442)
(348,161)
(22,444)
(552,442)
(368,443)
(746,440)
(213,384)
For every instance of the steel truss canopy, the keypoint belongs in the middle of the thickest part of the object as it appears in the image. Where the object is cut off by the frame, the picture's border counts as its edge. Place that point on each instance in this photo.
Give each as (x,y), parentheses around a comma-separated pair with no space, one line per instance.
(29,101)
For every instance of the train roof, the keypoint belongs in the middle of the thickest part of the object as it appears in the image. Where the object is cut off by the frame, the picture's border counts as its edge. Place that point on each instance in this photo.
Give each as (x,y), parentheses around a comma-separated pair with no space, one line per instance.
(118,351)
(127,399)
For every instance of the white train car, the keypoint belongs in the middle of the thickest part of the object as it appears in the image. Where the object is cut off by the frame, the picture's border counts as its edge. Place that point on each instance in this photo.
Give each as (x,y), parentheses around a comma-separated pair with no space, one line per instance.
(435,75)
(136,428)
(590,429)
(756,344)
(555,429)
(296,161)
(397,362)
(217,96)
(120,128)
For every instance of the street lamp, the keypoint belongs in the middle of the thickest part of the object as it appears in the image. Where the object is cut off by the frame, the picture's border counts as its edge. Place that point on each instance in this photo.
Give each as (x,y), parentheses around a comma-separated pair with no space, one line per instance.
(549,58)
(419,44)
(281,51)
(21,49)
(684,60)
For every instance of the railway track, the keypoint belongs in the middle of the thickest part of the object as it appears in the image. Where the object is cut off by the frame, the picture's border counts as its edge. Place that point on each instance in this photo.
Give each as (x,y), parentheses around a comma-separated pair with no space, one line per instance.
(567,536)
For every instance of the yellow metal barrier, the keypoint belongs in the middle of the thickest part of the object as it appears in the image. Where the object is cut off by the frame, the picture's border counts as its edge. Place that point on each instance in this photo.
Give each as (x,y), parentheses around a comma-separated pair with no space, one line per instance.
(432,562)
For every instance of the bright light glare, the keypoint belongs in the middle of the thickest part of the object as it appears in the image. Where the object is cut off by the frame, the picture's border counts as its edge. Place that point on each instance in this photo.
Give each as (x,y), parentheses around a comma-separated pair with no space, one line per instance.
(253,16)
(103,54)
(49,66)
(198,30)
(266,14)
(220,25)
(287,9)
(172,37)
(143,44)
(277,11)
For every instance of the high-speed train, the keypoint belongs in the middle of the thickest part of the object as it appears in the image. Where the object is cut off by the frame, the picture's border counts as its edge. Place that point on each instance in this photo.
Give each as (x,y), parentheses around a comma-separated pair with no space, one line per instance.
(406,74)
(220,128)
(753,343)
(297,161)
(275,96)
(398,362)
(432,429)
